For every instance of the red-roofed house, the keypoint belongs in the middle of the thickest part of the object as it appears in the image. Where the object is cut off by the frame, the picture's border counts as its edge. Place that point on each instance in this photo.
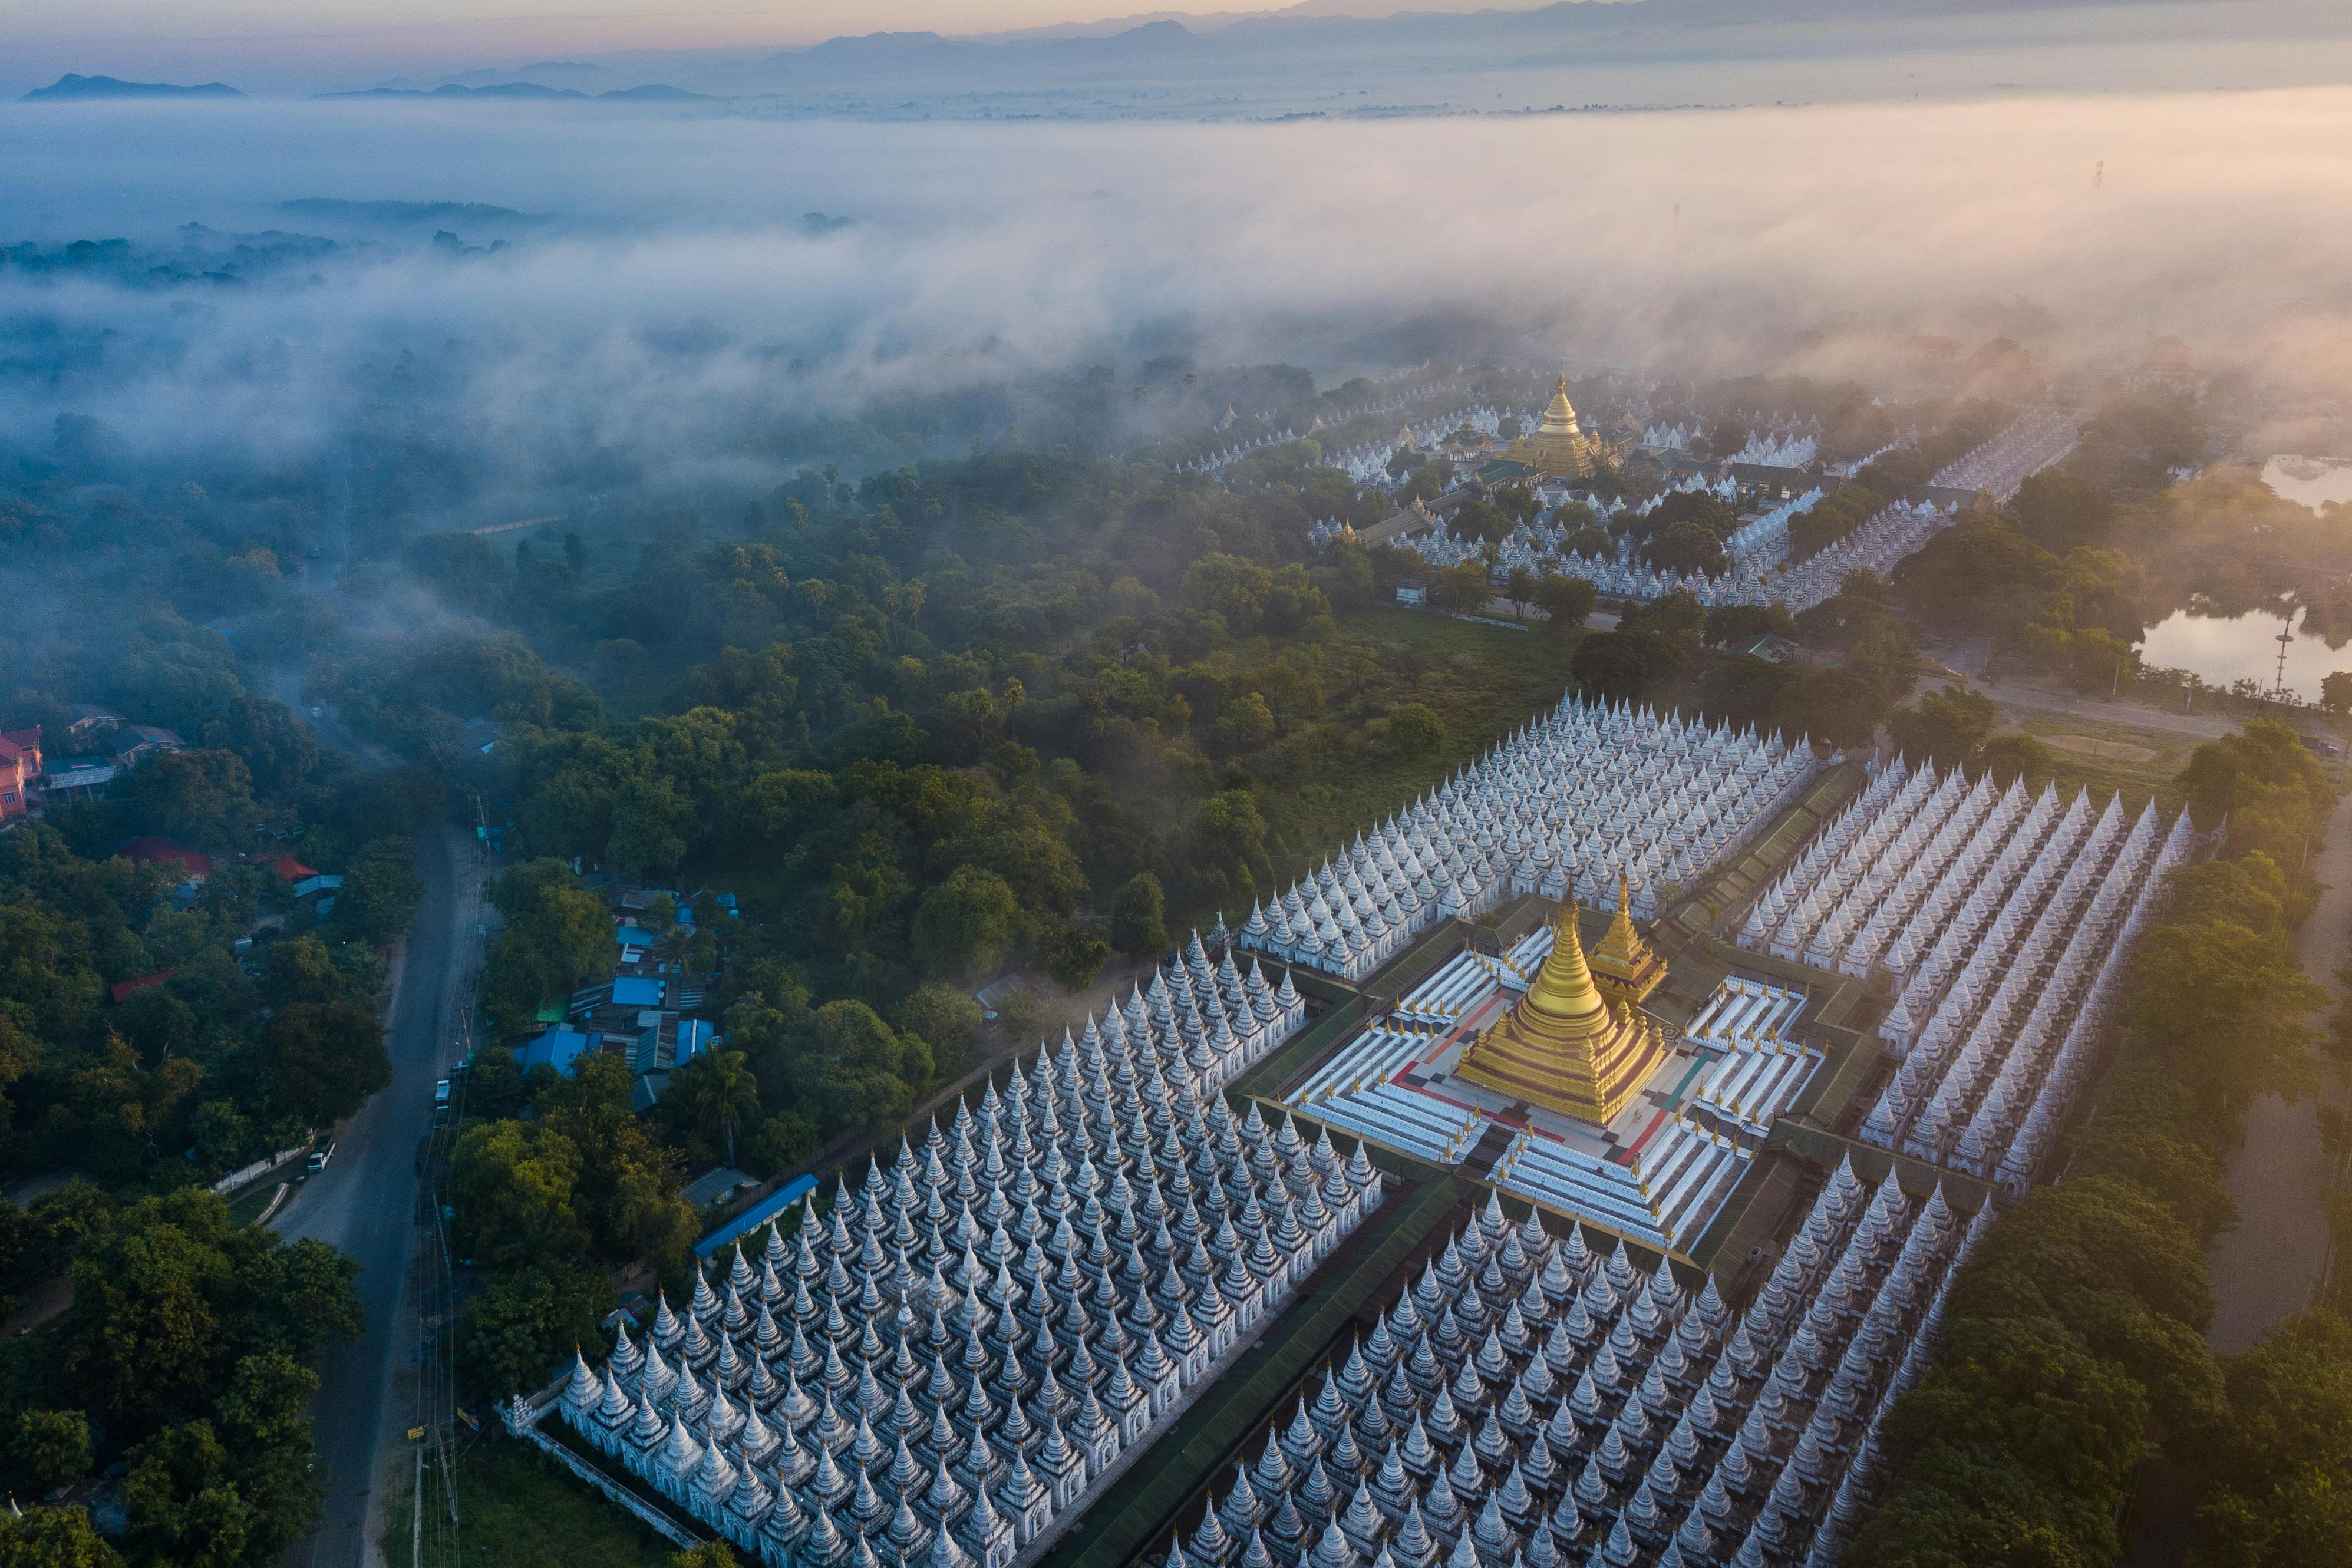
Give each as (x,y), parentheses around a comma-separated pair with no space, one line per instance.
(195,866)
(288,867)
(123,989)
(20,768)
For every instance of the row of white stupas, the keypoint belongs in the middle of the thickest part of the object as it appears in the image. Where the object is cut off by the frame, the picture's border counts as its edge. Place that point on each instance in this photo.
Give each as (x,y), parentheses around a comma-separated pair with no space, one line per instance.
(1783,447)
(1724,489)
(2029,444)
(1541,547)
(1757,573)
(1779,443)
(1765,539)
(1855,466)
(1590,793)
(1990,1077)
(2003,919)
(1226,457)
(1881,540)
(1527,1405)
(939,1369)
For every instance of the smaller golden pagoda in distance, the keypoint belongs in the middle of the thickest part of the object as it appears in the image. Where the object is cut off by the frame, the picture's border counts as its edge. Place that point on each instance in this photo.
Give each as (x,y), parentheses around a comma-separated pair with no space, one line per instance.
(1559,445)
(1563,1046)
(1625,968)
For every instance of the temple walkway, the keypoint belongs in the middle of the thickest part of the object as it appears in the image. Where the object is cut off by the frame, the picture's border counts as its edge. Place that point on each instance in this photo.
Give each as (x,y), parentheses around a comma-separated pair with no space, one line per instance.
(2266,1269)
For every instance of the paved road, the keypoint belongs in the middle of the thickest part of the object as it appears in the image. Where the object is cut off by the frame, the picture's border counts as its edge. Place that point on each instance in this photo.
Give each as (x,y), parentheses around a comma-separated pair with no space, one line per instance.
(2263,1270)
(2201,725)
(366,1203)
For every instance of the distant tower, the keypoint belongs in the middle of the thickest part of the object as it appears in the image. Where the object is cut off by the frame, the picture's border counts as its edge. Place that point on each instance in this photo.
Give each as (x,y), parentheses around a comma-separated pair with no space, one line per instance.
(2287,636)
(2098,173)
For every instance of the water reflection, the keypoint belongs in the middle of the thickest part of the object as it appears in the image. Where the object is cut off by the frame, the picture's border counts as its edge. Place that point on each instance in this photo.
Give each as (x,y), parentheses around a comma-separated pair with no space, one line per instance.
(2311,481)
(2224,650)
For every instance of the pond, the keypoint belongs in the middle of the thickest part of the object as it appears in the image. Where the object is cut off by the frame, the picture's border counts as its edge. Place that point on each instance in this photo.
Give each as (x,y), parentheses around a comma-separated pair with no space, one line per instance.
(2311,481)
(2243,647)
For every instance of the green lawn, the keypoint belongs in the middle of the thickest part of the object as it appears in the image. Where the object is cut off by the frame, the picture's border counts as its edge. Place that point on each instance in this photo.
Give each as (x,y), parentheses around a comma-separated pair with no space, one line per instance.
(2137,776)
(517,1505)
(1483,682)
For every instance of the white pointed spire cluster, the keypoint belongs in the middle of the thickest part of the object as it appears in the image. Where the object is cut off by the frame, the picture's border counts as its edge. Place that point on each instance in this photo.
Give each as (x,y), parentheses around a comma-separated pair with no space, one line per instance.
(2026,445)
(1583,795)
(1529,1405)
(2004,918)
(2013,1009)
(1756,569)
(935,1370)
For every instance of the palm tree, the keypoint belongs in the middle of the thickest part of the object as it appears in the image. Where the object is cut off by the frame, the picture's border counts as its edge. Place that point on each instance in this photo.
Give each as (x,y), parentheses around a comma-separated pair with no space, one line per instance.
(717,1092)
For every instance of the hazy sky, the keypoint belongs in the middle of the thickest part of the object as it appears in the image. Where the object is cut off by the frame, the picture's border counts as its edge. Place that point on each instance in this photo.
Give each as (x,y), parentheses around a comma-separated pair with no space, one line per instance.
(499,27)
(301,45)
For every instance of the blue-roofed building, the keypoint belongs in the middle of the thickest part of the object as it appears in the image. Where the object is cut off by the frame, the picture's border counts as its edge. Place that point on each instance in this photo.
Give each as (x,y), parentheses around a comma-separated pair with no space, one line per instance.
(636,991)
(558,1048)
(694,1036)
(759,1214)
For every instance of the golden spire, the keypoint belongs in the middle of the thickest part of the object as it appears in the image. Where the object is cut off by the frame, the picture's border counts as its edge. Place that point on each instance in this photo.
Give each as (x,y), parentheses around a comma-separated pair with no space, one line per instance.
(1563,1045)
(1556,445)
(1560,417)
(1563,987)
(1626,968)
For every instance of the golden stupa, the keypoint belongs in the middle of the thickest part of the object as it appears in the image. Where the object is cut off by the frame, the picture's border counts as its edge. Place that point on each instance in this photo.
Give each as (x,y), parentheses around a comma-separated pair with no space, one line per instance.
(1625,968)
(1559,445)
(1563,1046)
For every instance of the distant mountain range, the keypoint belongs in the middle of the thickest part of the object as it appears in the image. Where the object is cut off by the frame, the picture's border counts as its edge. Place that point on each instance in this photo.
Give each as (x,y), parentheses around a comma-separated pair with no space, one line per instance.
(1331,45)
(70,87)
(1163,47)
(659,91)
(438,214)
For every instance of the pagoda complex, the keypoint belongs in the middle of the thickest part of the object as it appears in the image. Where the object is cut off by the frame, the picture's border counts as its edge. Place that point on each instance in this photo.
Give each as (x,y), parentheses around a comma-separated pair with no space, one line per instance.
(1625,968)
(1559,445)
(1564,1046)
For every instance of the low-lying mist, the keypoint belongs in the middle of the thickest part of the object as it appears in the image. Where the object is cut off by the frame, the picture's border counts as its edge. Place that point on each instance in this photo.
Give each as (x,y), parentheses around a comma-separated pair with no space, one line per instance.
(667,295)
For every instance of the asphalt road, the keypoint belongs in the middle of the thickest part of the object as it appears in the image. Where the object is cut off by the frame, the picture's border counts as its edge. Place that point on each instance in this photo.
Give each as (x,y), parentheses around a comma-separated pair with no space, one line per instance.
(2204,726)
(366,1203)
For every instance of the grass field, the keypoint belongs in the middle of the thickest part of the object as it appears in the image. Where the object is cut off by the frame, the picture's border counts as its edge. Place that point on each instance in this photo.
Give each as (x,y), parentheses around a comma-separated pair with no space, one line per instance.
(2137,776)
(1483,682)
(516,1505)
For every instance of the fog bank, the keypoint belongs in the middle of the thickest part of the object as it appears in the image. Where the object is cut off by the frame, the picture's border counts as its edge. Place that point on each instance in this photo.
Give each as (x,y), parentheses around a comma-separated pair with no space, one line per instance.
(672,294)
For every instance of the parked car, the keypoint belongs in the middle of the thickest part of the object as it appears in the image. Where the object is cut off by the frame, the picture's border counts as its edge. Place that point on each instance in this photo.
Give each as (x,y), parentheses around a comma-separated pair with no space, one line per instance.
(441,1094)
(319,1156)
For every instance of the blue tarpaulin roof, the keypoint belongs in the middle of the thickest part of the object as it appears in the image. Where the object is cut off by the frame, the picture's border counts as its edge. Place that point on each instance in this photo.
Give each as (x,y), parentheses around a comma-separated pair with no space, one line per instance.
(759,1214)
(558,1048)
(636,991)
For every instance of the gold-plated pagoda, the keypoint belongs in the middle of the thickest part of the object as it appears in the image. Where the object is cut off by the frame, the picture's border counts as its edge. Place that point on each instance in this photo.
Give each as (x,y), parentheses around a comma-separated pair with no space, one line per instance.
(1625,968)
(1558,445)
(1563,1046)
